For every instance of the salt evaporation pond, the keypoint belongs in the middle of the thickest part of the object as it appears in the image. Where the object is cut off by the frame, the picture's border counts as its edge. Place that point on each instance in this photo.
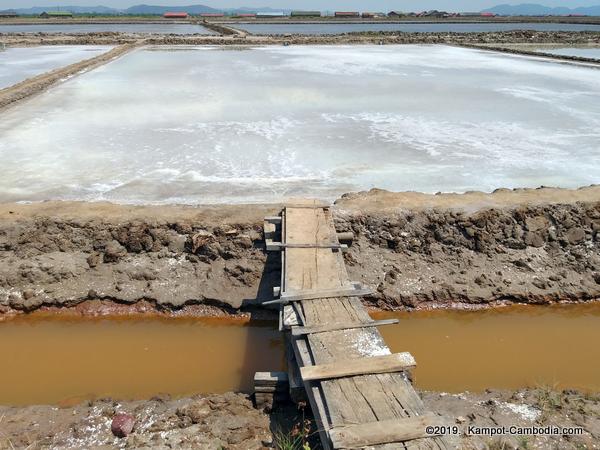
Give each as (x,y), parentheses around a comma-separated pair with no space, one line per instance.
(211,125)
(580,52)
(18,64)
(449,27)
(73,28)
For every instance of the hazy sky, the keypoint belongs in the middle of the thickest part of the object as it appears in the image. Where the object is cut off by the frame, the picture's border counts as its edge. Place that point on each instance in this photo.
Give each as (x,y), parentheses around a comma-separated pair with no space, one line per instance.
(371,5)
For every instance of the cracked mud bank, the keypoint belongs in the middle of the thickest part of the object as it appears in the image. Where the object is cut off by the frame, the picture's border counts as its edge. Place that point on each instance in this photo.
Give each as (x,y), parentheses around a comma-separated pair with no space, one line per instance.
(417,251)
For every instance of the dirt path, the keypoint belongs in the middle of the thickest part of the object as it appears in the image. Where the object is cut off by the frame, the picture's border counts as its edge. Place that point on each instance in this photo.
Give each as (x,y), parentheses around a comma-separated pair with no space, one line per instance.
(507,37)
(32,86)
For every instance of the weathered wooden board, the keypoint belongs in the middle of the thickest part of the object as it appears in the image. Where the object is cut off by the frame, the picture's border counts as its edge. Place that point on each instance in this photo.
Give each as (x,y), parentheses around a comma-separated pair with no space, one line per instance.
(312,294)
(383,432)
(337,326)
(396,362)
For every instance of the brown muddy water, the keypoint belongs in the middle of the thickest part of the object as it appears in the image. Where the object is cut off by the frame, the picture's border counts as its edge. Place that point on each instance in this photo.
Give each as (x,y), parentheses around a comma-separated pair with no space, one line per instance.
(58,360)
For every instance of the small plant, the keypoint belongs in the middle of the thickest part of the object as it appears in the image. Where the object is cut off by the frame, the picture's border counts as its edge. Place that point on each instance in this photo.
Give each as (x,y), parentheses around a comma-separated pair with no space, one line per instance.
(549,399)
(287,441)
(297,437)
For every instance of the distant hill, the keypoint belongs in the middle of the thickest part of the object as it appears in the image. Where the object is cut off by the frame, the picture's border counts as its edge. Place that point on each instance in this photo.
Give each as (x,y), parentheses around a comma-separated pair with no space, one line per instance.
(532,9)
(159,10)
(138,9)
(74,9)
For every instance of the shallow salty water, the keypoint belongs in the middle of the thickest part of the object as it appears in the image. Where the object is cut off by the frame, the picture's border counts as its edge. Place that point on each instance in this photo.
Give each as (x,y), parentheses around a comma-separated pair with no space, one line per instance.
(339,28)
(73,28)
(53,359)
(210,125)
(18,64)
(581,52)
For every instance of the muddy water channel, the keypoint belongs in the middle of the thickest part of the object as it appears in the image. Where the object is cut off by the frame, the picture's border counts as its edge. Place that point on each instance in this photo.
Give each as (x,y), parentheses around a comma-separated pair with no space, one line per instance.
(66,360)
(507,348)
(52,359)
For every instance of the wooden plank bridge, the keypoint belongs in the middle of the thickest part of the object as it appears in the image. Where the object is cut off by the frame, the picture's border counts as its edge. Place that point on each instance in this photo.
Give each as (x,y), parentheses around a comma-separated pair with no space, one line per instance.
(358,390)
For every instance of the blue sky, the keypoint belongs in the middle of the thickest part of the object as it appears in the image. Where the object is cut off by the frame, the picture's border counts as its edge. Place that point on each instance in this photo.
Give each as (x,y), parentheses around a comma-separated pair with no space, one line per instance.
(371,5)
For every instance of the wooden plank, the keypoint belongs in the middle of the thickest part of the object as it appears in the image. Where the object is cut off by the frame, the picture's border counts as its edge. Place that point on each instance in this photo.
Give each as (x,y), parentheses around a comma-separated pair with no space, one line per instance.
(356,290)
(270,378)
(383,432)
(396,362)
(311,268)
(280,245)
(316,206)
(314,392)
(297,331)
(273,219)
(318,295)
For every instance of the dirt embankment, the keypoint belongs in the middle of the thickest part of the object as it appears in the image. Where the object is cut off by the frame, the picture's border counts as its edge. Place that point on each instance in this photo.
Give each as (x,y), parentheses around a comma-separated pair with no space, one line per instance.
(229,421)
(415,250)
(506,37)
(223,29)
(40,83)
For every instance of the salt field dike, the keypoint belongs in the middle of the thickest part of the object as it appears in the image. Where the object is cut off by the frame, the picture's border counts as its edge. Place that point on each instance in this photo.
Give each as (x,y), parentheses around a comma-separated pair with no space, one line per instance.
(277,228)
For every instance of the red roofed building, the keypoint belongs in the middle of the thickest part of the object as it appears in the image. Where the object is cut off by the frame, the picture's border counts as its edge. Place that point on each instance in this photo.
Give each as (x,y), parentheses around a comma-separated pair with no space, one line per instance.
(175,15)
(347,14)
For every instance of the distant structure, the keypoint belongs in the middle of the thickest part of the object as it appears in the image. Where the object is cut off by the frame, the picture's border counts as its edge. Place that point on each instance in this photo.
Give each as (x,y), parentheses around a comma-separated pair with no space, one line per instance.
(56,14)
(175,15)
(212,15)
(476,14)
(346,14)
(270,15)
(306,14)
(434,13)
(395,14)
(246,15)
(8,14)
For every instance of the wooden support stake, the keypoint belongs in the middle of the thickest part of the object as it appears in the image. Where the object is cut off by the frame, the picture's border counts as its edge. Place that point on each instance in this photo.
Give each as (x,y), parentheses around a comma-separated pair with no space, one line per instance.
(383,432)
(298,331)
(273,245)
(308,206)
(347,236)
(396,362)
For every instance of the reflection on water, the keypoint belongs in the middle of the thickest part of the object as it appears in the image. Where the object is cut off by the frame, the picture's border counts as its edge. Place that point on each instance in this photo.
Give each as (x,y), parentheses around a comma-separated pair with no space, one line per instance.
(507,348)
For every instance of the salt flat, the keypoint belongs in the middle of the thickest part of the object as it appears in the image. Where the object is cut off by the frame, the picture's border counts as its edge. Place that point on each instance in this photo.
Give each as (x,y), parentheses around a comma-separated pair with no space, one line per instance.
(209,125)
(18,64)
